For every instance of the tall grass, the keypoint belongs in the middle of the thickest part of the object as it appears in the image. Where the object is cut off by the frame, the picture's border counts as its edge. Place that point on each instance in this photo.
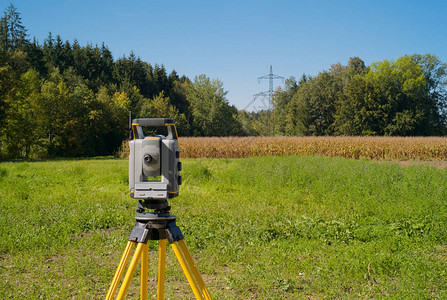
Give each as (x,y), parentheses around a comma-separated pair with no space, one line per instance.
(263,227)
(424,148)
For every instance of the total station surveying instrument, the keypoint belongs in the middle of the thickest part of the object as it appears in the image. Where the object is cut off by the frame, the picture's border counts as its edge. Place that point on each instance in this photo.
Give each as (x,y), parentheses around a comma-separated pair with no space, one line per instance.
(154,178)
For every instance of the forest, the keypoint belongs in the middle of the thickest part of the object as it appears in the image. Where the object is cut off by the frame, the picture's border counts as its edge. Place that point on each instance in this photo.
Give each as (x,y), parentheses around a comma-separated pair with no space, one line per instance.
(63,99)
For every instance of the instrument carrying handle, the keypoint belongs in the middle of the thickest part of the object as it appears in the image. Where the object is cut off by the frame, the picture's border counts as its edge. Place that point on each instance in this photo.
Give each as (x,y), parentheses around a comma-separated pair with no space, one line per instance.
(137,125)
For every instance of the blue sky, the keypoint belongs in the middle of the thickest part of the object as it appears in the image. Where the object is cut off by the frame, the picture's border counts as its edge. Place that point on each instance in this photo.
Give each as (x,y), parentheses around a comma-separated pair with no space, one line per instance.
(237,41)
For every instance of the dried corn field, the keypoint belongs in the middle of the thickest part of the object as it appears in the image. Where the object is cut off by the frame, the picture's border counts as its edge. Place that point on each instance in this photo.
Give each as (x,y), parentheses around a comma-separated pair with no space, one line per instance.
(388,148)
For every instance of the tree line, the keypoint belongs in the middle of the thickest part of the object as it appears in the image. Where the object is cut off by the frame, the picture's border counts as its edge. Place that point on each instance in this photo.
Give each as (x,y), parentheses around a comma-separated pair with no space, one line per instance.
(62,99)
(402,97)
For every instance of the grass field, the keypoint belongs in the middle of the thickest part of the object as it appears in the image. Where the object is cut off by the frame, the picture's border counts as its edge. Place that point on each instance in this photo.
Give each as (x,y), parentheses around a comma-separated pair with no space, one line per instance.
(258,228)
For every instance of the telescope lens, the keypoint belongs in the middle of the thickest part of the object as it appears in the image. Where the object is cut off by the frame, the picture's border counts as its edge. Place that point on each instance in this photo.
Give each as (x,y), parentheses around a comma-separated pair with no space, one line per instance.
(147,158)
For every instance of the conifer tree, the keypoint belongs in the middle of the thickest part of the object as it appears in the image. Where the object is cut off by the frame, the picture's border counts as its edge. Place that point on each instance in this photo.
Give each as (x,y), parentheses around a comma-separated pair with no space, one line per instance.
(12,31)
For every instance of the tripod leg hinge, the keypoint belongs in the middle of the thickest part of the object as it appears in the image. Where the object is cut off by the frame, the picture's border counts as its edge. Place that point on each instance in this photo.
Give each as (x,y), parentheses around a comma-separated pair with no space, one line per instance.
(140,233)
(173,232)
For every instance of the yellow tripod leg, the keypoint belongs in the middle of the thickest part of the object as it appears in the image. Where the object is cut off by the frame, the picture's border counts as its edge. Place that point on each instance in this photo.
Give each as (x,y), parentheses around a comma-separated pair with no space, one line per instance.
(186,269)
(120,270)
(144,271)
(161,269)
(194,269)
(133,265)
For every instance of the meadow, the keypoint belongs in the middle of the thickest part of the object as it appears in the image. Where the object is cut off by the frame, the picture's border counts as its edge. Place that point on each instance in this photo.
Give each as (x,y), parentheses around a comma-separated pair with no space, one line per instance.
(269,227)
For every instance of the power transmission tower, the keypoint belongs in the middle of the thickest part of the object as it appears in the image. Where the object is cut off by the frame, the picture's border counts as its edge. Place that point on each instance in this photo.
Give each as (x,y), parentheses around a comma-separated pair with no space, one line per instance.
(269,96)
(270,77)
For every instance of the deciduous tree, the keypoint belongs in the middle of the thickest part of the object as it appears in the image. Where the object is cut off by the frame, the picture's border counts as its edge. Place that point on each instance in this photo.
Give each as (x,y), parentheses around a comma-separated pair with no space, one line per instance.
(212,114)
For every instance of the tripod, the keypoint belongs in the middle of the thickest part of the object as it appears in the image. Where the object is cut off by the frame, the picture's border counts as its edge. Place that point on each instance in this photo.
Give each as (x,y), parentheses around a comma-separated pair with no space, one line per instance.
(158,225)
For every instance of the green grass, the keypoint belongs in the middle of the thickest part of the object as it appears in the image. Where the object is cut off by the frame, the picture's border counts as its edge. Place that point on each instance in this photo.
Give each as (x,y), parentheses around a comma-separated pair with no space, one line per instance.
(264,228)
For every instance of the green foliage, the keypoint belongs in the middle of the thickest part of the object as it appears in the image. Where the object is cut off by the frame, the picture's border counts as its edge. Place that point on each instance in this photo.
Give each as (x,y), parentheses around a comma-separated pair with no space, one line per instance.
(254,123)
(159,107)
(12,32)
(64,99)
(405,97)
(18,130)
(213,116)
(401,87)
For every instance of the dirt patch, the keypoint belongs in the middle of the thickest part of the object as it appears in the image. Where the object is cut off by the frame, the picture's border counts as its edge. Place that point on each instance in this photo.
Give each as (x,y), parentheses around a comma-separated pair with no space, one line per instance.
(106,231)
(440,164)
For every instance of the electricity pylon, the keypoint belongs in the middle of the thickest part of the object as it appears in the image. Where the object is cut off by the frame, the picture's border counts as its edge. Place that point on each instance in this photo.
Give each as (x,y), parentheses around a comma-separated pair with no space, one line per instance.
(269,96)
